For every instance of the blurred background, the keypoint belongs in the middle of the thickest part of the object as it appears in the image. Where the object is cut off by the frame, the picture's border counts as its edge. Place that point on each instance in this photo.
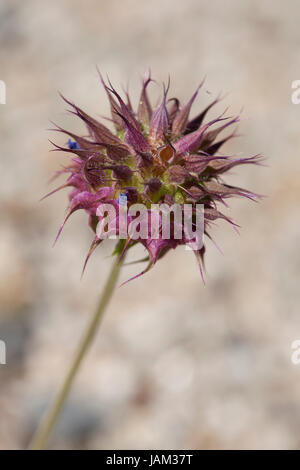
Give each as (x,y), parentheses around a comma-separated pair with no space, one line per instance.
(176,365)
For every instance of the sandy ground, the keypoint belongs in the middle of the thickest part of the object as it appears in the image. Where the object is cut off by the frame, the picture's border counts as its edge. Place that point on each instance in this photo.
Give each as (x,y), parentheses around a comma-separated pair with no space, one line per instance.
(176,364)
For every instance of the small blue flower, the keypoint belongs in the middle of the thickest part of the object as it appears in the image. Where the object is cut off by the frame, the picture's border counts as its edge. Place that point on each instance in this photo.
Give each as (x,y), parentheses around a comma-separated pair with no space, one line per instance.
(122,200)
(73,145)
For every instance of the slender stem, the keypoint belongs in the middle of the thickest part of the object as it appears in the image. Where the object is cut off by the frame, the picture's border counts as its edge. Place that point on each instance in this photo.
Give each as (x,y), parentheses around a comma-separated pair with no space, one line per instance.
(48,422)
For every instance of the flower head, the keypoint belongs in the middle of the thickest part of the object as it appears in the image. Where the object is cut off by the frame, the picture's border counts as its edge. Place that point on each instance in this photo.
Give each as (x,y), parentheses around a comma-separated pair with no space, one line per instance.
(154,156)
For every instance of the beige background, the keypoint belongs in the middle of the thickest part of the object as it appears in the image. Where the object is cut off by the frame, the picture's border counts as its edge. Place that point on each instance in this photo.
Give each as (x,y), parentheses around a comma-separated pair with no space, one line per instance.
(176,365)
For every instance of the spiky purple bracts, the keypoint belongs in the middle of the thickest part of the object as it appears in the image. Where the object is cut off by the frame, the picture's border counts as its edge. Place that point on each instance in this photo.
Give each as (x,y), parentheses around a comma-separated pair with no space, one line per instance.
(154,156)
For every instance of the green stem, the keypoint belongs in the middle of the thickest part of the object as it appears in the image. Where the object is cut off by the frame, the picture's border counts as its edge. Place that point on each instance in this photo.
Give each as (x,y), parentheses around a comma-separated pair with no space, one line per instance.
(48,422)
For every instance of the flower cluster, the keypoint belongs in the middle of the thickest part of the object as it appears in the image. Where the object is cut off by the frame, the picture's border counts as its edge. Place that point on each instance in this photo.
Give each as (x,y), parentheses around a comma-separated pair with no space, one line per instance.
(153,157)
